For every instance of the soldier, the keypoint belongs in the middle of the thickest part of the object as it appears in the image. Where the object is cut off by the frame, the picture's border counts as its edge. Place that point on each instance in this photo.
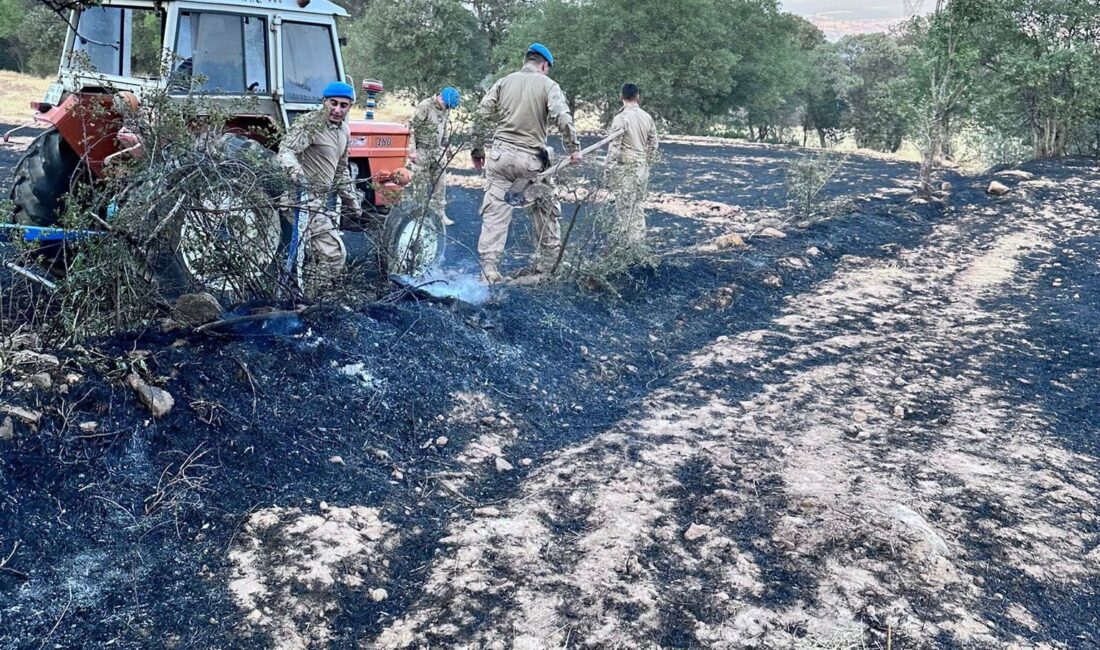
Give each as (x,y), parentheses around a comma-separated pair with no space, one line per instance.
(520,107)
(315,152)
(428,149)
(628,159)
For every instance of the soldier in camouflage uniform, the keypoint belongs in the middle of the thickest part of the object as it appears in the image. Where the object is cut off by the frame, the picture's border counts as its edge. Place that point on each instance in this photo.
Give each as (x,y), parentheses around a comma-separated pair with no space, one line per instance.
(628,159)
(520,107)
(315,152)
(428,150)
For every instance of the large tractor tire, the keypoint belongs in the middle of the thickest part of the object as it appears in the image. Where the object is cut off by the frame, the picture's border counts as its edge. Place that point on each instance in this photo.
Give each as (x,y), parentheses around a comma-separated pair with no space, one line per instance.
(43,176)
(412,245)
(228,240)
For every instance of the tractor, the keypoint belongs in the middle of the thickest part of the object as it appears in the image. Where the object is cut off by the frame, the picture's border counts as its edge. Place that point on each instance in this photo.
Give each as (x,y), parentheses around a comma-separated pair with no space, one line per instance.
(276,54)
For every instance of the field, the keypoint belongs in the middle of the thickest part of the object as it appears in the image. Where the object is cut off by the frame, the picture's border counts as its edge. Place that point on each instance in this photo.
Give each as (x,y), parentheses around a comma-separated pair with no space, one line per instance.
(872,430)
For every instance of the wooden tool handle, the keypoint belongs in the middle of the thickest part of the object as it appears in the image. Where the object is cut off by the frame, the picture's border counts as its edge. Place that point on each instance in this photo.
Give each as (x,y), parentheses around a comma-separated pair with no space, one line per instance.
(587,150)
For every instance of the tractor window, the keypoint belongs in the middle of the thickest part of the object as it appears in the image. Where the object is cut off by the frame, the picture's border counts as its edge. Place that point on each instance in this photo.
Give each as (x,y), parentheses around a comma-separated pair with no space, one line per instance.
(309,62)
(118,41)
(221,53)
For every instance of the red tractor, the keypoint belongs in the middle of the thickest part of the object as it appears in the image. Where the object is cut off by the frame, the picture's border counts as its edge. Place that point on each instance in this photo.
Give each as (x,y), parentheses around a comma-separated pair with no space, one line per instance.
(275,56)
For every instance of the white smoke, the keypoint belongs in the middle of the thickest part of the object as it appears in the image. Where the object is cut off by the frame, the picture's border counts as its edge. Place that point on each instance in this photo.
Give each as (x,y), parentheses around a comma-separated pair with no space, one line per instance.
(450,283)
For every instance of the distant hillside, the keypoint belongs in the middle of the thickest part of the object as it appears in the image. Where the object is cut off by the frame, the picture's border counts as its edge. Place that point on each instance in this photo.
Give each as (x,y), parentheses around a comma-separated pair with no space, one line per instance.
(836,28)
(839,18)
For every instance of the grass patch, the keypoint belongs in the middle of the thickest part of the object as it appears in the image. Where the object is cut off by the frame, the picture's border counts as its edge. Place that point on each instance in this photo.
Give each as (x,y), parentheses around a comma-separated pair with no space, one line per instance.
(16,92)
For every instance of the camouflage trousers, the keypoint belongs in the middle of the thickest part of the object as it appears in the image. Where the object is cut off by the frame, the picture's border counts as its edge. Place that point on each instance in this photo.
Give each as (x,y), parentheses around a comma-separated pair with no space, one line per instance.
(629,183)
(321,253)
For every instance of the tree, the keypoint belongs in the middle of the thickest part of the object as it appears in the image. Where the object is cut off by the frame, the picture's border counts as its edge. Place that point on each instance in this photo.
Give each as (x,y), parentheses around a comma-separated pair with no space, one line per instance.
(824,109)
(677,53)
(418,46)
(494,17)
(1041,60)
(878,91)
(31,37)
(773,63)
(943,70)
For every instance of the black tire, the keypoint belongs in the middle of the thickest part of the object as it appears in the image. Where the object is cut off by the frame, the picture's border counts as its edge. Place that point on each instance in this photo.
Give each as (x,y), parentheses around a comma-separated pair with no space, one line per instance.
(412,245)
(43,176)
(232,243)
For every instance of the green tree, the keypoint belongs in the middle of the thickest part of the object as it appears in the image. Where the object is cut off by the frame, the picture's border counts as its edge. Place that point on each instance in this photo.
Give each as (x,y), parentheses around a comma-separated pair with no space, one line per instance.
(879,91)
(944,68)
(773,64)
(824,109)
(678,54)
(1041,65)
(418,46)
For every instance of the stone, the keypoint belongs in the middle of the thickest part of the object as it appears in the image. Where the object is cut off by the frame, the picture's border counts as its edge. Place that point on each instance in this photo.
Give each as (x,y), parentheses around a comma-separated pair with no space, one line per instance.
(196,309)
(696,532)
(774,233)
(997,188)
(1016,174)
(772,280)
(946,187)
(899,412)
(526,462)
(723,242)
(813,251)
(42,381)
(25,415)
(158,401)
(487,511)
(7,429)
(503,465)
(488,420)
(441,441)
(378,595)
(29,358)
(336,460)
(859,416)
(89,427)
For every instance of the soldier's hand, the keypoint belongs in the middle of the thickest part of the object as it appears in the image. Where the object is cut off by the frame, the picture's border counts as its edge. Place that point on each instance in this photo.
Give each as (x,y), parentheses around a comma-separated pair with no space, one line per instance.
(575,157)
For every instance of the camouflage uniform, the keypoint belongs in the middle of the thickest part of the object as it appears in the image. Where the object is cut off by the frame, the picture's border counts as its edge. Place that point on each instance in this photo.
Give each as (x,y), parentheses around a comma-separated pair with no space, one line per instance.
(429,130)
(521,106)
(316,151)
(628,160)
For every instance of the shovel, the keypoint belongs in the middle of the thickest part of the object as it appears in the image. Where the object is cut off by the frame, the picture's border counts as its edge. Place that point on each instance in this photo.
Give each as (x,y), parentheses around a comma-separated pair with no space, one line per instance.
(518,194)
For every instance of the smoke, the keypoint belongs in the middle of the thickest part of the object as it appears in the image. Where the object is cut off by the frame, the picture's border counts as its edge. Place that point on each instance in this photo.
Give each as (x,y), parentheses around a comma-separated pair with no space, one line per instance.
(448,284)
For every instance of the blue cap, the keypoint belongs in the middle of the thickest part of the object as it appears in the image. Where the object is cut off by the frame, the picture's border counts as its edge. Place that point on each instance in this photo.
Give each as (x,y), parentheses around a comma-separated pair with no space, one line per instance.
(540,49)
(450,97)
(339,89)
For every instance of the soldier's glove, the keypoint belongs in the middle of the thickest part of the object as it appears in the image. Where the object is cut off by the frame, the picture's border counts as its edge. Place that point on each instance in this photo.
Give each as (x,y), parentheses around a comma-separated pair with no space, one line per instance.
(477,154)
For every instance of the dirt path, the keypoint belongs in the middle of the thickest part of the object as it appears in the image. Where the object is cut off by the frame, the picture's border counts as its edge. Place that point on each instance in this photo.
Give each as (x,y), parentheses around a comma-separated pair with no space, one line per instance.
(864,493)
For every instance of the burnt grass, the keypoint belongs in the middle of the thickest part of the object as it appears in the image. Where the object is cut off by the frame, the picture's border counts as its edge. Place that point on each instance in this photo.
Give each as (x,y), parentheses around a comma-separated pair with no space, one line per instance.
(95,566)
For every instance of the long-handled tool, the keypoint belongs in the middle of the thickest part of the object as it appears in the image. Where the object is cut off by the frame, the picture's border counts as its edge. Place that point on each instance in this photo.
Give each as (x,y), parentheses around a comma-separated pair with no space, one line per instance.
(517,194)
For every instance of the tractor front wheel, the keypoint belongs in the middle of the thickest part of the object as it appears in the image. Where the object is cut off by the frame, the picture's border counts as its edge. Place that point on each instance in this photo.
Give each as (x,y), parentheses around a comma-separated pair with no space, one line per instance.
(413,245)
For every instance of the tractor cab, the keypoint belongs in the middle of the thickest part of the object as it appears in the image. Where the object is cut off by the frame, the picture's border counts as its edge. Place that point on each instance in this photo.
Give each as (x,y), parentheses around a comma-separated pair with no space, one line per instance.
(278,53)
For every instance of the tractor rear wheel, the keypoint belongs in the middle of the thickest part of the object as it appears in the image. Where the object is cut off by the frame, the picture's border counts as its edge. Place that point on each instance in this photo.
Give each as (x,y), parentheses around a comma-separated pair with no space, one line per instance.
(43,176)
